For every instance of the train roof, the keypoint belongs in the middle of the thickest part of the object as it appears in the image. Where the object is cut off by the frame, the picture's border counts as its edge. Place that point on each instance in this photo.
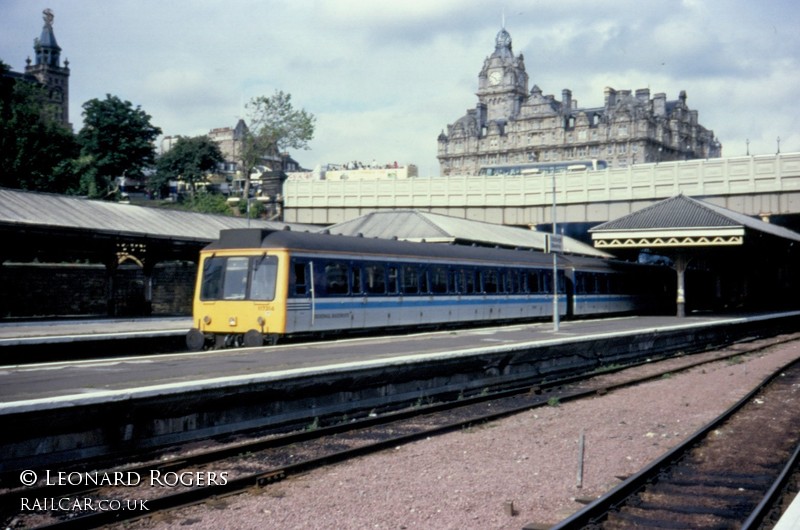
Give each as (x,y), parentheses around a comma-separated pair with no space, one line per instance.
(340,244)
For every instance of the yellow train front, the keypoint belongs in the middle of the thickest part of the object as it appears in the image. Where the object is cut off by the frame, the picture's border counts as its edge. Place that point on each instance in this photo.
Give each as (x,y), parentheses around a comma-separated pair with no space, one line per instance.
(240,294)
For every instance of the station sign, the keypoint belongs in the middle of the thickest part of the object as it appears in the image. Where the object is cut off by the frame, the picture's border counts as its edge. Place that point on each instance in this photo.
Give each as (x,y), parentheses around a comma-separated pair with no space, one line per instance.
(553,243)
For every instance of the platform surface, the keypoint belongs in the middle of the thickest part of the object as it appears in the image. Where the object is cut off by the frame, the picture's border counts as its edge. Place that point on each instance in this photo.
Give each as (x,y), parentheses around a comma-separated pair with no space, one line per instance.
(110,378)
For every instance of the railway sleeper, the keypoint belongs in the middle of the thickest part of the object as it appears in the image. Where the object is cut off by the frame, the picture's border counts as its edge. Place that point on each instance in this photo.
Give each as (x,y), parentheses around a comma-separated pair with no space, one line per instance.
(698,506)
(717,494)
(625,520)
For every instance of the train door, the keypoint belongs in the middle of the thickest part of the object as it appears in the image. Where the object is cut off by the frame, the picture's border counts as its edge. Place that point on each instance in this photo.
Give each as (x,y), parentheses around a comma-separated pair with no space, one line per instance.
(569,278)
(358,291)
(300,298)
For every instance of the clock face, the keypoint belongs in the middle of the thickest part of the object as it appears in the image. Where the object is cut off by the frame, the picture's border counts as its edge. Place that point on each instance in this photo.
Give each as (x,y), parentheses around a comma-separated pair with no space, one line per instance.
(495,77)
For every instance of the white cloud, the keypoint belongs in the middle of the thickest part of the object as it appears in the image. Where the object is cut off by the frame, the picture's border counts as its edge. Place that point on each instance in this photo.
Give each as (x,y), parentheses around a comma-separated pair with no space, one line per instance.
(385,77)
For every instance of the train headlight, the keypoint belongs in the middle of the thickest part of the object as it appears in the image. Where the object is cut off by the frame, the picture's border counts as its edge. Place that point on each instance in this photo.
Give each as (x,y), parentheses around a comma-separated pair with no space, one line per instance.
(231,321)
(260,321)
(206,320)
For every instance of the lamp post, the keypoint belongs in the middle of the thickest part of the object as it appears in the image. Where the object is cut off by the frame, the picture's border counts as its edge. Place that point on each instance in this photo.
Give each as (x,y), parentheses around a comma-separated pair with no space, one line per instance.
(555,261)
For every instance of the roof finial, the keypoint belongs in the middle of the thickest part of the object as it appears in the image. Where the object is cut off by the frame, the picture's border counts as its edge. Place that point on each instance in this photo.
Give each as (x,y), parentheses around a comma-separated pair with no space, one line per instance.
(48,17)
(503,19)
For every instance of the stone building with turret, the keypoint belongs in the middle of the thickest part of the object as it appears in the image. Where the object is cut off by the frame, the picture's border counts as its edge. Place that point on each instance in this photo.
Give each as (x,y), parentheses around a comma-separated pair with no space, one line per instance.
(511,125)
(46,70)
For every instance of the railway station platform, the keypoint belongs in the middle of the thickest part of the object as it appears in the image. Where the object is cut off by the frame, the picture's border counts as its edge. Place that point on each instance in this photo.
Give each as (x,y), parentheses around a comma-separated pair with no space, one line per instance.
(61,331)
(108,378)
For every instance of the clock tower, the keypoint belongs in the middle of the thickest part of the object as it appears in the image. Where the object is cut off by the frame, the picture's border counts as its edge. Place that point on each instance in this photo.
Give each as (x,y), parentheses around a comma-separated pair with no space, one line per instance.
(502,82)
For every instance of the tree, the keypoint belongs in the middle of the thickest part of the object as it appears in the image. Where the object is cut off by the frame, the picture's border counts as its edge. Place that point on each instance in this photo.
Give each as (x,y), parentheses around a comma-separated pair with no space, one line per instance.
(274,127)
(36,151)
(118,140)
(190,159)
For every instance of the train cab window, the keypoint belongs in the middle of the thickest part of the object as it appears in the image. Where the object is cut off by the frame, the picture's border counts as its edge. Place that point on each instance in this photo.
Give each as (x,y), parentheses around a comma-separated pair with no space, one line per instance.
(225,278)
(375,279)
(392,286)
(336,278)
(438,280)
(263,277)
(234,286)
(213,269)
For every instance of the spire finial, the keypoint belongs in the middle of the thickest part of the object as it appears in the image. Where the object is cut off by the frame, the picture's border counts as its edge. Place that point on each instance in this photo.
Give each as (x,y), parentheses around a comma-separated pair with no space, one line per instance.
(48,17)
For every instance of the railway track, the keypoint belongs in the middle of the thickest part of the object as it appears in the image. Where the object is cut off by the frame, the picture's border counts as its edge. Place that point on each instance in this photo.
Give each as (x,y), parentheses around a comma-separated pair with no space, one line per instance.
(259,463)
(729,474)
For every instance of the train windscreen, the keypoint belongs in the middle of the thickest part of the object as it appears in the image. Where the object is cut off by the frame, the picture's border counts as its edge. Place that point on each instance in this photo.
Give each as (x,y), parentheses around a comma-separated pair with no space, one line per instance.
(239,278)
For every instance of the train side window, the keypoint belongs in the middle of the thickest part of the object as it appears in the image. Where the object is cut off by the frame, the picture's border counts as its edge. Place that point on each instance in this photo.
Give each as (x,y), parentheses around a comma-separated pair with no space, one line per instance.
(547,283)
(580,283)
(356,286)
(336,278)
(438,280)
(299,278)
(424,282)
(512,282)
(410,279)
(454,282)
(392,284)
(469,281)
(490,281)
(375,278)
(533,282)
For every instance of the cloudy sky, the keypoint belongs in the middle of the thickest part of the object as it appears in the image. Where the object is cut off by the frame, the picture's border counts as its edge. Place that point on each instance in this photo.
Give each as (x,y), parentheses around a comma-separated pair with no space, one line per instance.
(384,78)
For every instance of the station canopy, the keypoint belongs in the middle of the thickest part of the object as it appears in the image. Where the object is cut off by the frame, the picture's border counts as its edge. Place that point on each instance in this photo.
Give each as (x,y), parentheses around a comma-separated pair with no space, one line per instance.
(419,226)
(682,221)
(734,261)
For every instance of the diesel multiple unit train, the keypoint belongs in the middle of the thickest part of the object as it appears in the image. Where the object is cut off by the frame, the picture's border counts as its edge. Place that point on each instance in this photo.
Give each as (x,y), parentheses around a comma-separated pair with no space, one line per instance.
(256,286)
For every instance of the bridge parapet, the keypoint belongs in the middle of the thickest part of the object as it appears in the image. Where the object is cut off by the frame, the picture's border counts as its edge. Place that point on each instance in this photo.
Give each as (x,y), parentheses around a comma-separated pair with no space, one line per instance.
(523,199)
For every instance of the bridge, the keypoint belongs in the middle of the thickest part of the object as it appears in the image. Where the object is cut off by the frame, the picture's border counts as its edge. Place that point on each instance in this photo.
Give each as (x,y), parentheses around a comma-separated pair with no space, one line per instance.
(763,185)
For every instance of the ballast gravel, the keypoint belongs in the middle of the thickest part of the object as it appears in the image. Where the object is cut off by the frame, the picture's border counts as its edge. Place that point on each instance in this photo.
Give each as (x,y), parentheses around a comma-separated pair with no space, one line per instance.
(502,475)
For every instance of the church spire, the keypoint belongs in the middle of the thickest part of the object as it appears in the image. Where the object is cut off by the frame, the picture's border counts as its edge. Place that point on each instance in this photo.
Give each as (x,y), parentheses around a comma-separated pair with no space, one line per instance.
(47,50)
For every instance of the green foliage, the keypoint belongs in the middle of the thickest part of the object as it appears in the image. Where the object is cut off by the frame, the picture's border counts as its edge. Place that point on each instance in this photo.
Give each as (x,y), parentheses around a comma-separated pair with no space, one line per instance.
(35,150)
(275,126)
(554,402)
(256,209)
(190,159)
(204,202)
(118,140)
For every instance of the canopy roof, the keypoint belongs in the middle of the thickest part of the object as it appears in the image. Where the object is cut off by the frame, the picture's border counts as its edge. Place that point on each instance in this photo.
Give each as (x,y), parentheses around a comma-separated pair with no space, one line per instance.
(682,221)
